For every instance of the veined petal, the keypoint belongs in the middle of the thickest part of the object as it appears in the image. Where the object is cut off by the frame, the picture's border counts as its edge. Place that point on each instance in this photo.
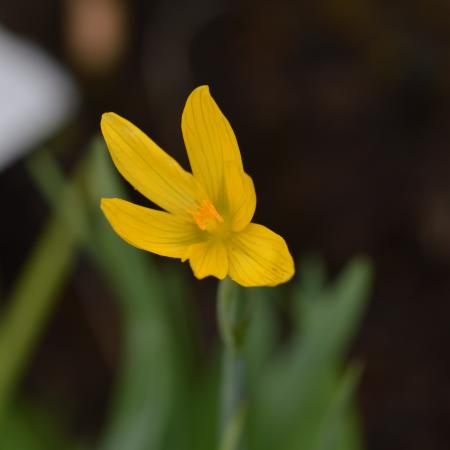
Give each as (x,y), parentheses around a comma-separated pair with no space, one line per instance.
(209,140)
(259,257)
(241,196)
(209,258)
(147,167)
(148,229)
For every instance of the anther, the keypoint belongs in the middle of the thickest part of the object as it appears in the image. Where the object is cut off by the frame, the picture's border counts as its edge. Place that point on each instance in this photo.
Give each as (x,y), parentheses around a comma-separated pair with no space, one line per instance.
(205,214)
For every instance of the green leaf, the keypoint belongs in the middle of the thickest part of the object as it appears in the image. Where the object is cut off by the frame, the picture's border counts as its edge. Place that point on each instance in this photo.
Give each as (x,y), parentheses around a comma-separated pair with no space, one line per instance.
(333,430)
(194,424)
(31,303)
(144,392)
(336,310)
(262,335)
(28,427)
(293,392)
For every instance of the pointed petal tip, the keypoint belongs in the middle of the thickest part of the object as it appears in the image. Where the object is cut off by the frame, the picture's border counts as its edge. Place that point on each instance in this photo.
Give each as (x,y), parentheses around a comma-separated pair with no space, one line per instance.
(113,120)
(106,122)
(106,203)
(106,116)
(109,118)
(202,87)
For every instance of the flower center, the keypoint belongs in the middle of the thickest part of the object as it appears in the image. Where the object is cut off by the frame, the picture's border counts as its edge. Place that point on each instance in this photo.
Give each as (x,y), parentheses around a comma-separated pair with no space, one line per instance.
(206,215)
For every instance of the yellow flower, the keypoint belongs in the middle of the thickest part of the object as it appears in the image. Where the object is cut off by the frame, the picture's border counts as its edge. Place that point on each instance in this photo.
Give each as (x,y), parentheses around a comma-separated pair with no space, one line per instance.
(207,213)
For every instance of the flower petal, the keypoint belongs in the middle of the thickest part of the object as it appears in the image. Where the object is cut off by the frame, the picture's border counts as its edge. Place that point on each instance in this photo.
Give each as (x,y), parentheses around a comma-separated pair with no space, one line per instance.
(259,257)
(210,141)
(209,258)
(148,229)
(241,197)
(147,167)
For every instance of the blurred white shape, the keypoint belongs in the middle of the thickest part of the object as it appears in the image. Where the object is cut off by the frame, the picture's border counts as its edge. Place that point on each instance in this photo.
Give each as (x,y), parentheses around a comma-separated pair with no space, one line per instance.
(36,97)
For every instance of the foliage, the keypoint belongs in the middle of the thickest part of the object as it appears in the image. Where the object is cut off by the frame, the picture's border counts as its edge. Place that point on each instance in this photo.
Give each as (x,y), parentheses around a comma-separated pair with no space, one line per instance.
(300,387)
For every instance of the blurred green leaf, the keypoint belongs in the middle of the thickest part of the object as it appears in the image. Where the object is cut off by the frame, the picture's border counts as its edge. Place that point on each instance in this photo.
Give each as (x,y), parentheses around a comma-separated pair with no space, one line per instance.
(27,427)
(333,430)
(293,393)
(62,194)
(30,304)
(181,319)
(313,276)
(336,310)
(145,386)
(144,392)
(262,335)
(194,422)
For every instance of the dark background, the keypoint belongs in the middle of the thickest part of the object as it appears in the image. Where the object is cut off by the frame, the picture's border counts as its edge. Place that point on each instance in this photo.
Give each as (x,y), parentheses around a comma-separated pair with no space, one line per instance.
(342,112)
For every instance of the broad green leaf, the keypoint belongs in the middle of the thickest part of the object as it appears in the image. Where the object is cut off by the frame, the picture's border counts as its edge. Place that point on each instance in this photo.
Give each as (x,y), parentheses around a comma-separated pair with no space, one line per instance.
(293,392)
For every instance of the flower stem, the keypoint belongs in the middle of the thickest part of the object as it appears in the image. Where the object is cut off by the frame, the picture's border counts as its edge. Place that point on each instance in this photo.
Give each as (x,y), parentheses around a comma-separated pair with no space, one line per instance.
(232,315)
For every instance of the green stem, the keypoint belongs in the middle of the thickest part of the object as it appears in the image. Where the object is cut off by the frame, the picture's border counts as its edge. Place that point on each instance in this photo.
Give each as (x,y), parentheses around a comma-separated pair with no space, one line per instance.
(232,316)
(232,385)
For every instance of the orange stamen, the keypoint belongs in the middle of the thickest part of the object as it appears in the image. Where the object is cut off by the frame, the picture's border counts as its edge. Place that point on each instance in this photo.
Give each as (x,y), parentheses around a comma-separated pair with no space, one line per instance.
(206,213)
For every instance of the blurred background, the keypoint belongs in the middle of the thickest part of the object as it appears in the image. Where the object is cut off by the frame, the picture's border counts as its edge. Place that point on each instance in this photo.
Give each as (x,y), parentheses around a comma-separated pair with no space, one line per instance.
(342,113)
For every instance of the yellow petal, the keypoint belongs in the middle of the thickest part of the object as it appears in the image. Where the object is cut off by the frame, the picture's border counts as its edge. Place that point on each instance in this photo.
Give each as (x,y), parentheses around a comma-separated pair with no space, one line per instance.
(209,258)
(210,142)
(241,197)
(147,167)
(259,257)
(148,229)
